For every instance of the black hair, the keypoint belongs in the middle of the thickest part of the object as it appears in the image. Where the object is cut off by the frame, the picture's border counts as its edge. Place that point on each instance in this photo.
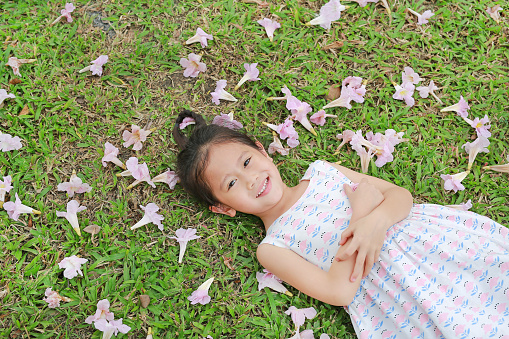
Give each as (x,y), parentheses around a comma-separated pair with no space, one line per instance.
(194,155)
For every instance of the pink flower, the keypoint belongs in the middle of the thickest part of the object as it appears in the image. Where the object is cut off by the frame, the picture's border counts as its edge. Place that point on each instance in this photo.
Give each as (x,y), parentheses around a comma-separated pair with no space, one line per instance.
(103,312)
(494,12)
(269,280)
(319,117)
(424,91)
(481,126)
(136,137)
(110,155)
(285,91)
(464,206)
(345,137)
(299,110)
(183,236)
(73,208)
(226,120)
(306,334)
(75,185)
(251,74)
(201,295)
(5,187)
(14,209)
(200,37)
(461,108)
(351,89)
(473,148)
(300,315)
(15,64)
(72,266)
(499,168)
(453,182)
(286,131)
(66,12)
(405,92)
(168,177)
(139,172)
(220,93)
(9,143)
(363,3)
(111,327)
(277,146)
(422,18)
(192,65)
(151,216)
(329,12)
(4,95)
(270,26)
(53,298)
(186,122)
(409,75)
(96,67)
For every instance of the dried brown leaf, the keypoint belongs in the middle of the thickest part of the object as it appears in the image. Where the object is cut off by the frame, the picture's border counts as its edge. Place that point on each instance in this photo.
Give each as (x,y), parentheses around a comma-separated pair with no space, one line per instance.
(228,262)
(92,229)
(333,93)
(335,44)
(15,81)
(144,300)
(24,111)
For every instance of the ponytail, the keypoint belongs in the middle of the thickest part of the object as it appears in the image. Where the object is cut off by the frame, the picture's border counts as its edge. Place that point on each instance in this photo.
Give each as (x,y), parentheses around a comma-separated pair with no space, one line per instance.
(180,138)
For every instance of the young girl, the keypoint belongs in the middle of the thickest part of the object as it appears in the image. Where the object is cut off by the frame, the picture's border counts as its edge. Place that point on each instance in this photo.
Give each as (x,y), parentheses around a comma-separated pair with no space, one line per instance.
(429,271)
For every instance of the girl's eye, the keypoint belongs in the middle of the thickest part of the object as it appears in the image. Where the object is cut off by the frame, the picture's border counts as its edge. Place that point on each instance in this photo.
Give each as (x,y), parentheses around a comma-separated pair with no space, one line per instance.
(247,162)
(231,183)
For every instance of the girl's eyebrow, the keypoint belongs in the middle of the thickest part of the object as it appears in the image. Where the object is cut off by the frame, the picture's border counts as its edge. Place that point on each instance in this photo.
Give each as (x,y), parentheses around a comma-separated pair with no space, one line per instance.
(239,161)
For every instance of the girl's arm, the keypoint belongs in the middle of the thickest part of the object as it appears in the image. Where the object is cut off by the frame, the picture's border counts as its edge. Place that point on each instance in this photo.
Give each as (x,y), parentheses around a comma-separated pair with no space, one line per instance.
(333,287)
(367,232)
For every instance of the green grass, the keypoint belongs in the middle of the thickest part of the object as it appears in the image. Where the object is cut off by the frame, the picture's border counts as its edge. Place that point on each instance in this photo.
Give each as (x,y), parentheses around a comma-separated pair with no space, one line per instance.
(72,115)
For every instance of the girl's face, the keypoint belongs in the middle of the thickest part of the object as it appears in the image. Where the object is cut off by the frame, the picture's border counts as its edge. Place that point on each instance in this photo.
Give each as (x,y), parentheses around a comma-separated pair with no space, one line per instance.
(243,178)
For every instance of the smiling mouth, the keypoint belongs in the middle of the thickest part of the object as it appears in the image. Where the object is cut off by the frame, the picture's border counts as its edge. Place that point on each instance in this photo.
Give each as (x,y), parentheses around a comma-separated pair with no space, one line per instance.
(263,187)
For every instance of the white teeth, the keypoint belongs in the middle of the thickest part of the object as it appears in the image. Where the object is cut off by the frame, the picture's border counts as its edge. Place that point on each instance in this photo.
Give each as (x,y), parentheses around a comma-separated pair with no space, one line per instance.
(263,188)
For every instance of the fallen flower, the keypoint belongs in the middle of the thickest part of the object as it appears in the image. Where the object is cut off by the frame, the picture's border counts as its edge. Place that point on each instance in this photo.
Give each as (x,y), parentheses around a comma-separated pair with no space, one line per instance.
(102,312)
(299,110)
(72,266)
(363,3)
(73,207)
(270,26)
(74,185)
(65,13)
(405,92)
(186,122)
(481,126)
(285,91)
(422,18)
(306,334)
(201,295)
(5,187)
(150,216)
(351,89)
(461,108)
(200,37)
(277,146)
(136,137)
(169,177)
(453,182)
(269,280)
(192,65)
(139,172)
(319,117)
(300,315)
(4,95)
(110,155)
(329,12)
(220,93)
(16,63)
(409,75)
(251,74)
(111,327)
(425,91)
(345,137)
(96,67)
(9,143)
(53,298)
(494,12)
(226,120)
(183,236)
(499,168)
(464,206)
(473,148)
(14,209)
(286,131)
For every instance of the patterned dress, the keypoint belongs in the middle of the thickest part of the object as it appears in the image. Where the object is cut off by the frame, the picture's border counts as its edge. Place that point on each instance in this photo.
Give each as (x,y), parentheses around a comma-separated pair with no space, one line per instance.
(442,273)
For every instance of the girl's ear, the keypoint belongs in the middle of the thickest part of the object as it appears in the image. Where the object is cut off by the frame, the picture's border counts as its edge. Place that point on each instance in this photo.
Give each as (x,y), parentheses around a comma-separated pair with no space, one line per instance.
(223,209)
(262,149)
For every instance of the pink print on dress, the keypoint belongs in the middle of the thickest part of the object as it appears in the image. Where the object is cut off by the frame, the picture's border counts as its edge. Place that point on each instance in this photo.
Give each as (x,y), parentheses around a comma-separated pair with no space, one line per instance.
(326,236)
(319,254)
(310,229)
(302,246)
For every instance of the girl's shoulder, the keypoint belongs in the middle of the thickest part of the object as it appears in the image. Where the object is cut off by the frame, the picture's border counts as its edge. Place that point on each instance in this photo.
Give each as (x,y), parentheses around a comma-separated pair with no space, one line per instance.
(320,168)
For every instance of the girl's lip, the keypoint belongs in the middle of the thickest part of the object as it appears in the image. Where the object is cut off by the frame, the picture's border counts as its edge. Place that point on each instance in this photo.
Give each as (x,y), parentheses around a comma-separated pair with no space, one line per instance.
(267,189)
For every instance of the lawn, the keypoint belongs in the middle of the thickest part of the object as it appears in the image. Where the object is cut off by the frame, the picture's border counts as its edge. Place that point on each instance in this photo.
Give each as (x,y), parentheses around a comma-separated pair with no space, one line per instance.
(64,118)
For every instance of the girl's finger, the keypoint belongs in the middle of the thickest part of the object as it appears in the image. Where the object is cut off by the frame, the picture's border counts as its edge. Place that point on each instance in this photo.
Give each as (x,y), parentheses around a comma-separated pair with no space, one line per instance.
(359,266)
(345,235)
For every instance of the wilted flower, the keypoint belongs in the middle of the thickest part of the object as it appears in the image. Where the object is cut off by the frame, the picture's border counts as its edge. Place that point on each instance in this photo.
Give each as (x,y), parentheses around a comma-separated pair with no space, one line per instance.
(201,295)
(499,168)
(461,108)
(226,120)
(136,137)
(9,143)
(5,187)
(65,13)
(479,145)
(329,12)
(75,185)
(286,131)
(481,126)
(319,117)
(192,65)
(4,95)
(183,236)
(251,74)
(425,91)
(96,67)
(306,334)
(15,64)
(494,12)
(200,37)
(405,92)
(14,209)
(269,280)
(299,110)
(277,146)
(110,155)
(103,312)
(151,216)
(453,182)
(270,26)
(363,3)
(220,93)
(139,172)
(72,266)
(169,177)
(422,18)
(409,75)
(73,207)
(464,206)
(300,315)
(111,327)
(345,137)
(351,89)
(53,298)
(186,122)
(285,91)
